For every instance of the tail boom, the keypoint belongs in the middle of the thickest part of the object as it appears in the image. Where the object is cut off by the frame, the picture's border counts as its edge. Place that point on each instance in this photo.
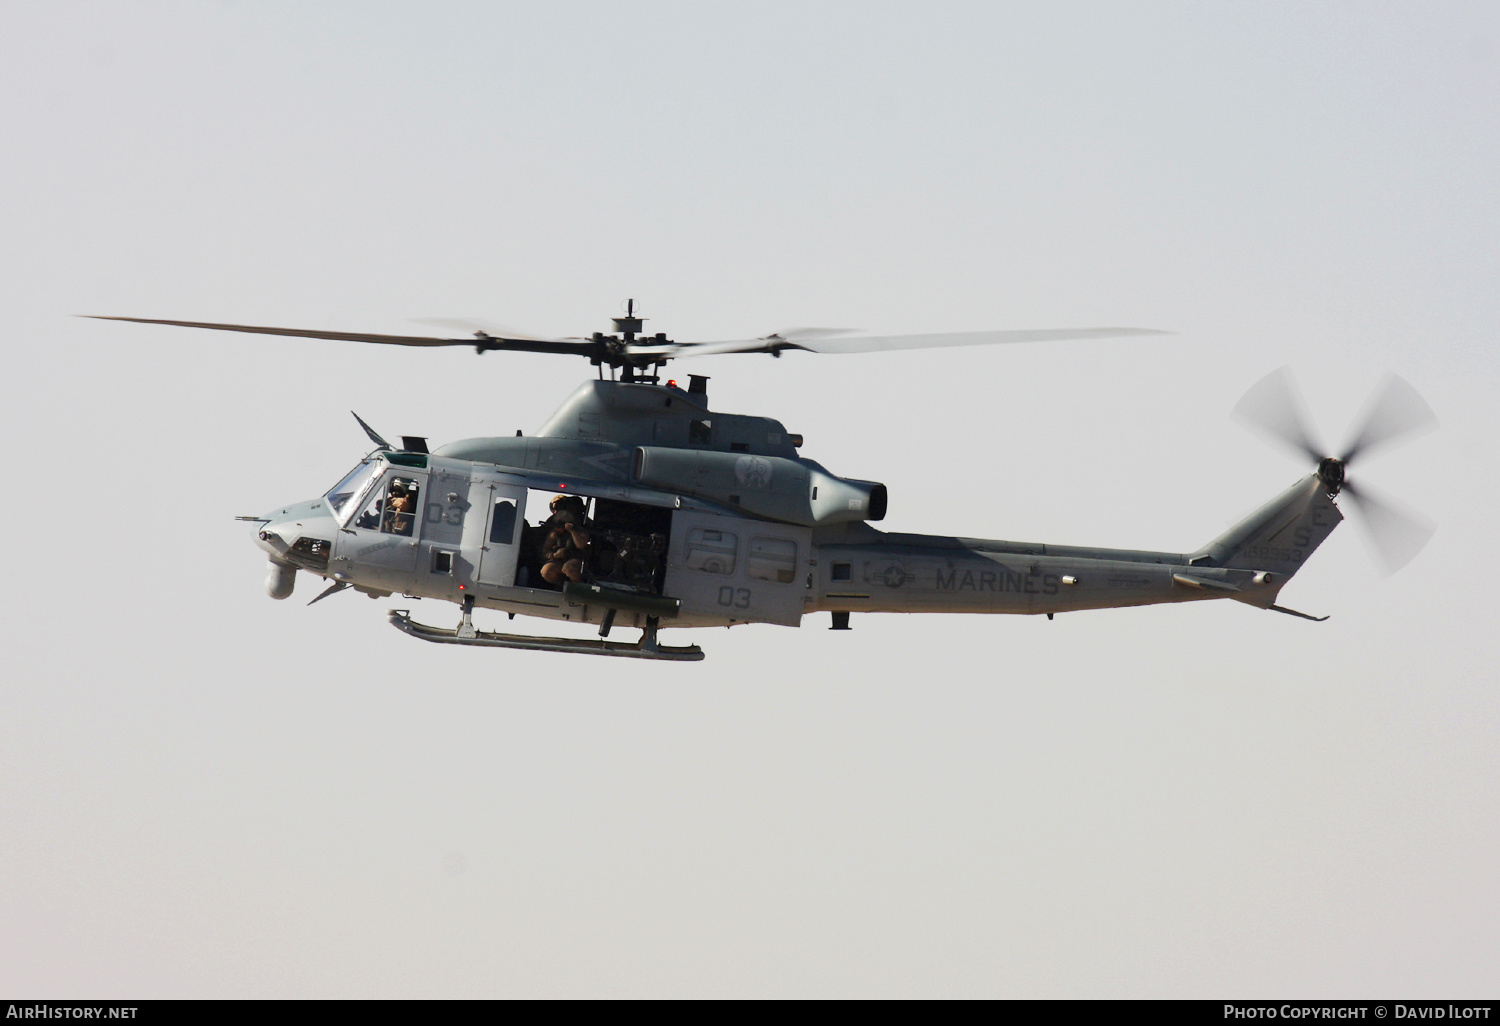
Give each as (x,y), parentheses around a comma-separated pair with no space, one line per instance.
(860,569)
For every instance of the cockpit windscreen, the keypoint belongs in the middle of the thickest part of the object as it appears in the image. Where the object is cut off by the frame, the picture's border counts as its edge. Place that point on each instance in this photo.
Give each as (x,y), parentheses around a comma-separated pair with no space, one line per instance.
(340,495)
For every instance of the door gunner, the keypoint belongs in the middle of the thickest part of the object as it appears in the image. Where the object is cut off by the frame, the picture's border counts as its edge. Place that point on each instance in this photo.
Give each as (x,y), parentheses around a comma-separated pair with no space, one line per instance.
(566,545)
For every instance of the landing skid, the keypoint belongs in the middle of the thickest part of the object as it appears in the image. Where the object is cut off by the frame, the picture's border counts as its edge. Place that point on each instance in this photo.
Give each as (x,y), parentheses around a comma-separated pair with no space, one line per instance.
(646,648)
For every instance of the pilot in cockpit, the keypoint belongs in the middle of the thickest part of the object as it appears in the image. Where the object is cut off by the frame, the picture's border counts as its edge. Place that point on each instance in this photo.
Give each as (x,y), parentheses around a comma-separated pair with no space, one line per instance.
(392,512)
(400,511)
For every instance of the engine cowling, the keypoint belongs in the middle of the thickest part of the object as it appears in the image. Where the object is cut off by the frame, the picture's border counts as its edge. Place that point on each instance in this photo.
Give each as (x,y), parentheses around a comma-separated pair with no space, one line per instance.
(796,491)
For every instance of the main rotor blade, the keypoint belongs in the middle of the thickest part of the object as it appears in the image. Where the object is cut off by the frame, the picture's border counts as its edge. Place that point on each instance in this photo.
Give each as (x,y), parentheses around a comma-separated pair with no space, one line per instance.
(1394,412)
(338,336)
(841,341)
(479,326)
(1274,407)
(877,343)
(679,349)
(798,334)
(777,341)
(1396,533)
(525,345)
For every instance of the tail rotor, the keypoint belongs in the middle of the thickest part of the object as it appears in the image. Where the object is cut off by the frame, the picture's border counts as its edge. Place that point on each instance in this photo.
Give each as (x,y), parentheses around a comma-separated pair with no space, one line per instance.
(1273,407)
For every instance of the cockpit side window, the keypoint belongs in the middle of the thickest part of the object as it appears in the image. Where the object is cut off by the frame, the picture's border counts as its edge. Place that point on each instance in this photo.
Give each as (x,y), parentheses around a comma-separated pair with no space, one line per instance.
(347,490)
(369,514)
(391,507)
(400,507)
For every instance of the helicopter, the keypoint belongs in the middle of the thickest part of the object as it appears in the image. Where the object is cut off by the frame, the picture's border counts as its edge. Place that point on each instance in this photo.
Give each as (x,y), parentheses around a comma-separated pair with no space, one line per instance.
(666,513)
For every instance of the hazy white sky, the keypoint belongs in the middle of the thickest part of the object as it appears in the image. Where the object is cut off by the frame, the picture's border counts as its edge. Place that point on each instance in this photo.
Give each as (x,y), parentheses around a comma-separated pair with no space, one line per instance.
(207,793)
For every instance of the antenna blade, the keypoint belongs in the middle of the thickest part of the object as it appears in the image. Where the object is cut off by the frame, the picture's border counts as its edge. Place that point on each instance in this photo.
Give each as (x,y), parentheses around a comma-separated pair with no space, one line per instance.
(332,589)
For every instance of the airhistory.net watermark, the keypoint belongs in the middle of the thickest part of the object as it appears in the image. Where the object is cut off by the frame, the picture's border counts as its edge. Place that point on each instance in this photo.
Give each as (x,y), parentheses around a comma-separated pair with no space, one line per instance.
(49,1011)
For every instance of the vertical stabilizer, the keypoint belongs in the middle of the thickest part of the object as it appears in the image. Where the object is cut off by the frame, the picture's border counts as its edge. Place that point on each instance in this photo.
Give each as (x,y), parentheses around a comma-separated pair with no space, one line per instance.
(1277,538)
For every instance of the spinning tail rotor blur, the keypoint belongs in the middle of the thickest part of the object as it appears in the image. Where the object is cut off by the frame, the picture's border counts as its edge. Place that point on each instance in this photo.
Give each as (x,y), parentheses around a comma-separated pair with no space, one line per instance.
(1274,408)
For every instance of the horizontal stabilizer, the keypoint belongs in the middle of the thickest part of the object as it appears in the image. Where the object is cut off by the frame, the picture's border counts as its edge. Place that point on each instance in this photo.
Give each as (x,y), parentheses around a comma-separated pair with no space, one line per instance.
(1202,583)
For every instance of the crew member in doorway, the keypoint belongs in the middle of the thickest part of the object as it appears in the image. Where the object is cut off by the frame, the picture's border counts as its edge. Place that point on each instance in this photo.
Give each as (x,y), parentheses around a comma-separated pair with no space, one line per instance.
(566,545)
(566,509)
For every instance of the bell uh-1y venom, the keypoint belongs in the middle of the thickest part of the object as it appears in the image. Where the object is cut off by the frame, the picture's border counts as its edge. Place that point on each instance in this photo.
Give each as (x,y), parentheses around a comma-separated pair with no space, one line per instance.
(687,517)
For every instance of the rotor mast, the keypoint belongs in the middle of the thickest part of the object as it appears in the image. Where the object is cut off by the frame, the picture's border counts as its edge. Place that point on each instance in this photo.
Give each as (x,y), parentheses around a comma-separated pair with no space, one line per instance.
(614,350)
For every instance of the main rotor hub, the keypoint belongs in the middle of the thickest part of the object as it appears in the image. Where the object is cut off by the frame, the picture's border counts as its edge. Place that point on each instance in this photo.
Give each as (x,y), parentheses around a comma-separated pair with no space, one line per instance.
(1331,473)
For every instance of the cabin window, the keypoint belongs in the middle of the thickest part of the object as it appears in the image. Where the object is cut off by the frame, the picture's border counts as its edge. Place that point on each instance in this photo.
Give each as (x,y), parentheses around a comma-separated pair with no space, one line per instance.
(840,572)
(773,559)
(701,431)
(712,552)
(503,523)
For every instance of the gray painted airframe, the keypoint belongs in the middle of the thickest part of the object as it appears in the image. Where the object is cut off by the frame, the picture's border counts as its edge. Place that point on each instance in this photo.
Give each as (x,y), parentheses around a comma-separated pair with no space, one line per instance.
(703,519)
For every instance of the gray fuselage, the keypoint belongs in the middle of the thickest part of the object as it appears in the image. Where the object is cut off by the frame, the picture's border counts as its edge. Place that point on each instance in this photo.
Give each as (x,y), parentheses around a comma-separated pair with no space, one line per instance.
(721,514)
